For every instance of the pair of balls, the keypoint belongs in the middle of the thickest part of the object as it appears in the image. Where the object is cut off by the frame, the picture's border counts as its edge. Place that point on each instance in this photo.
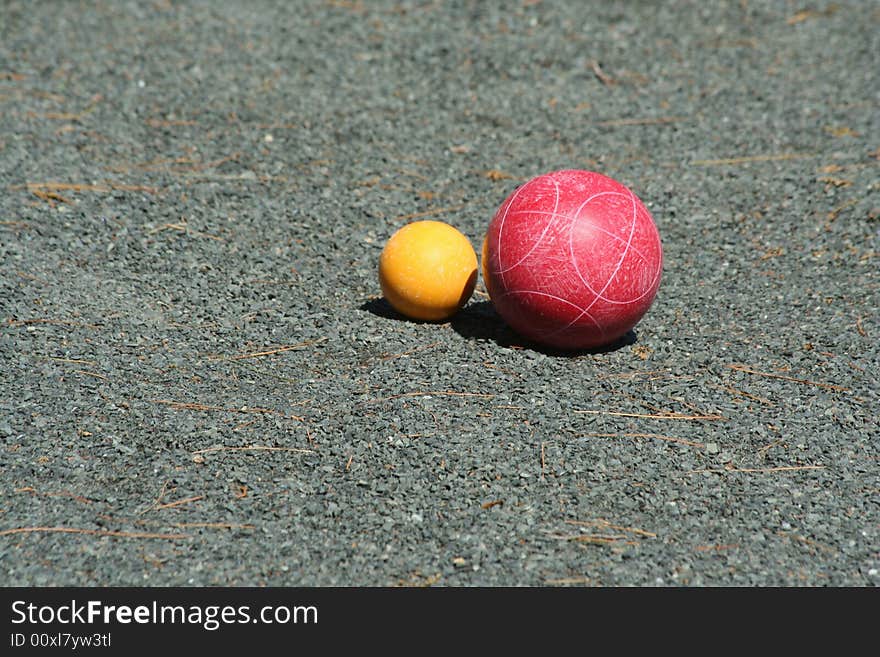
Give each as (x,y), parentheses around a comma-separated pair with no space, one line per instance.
(571,260)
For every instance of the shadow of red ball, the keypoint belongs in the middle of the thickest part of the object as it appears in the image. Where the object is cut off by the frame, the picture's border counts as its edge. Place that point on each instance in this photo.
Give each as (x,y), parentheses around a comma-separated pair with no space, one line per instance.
(572,260)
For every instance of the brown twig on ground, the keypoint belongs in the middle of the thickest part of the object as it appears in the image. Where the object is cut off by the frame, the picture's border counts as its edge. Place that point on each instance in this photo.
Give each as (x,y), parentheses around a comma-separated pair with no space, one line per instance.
(269,281)
(762,451)
(751,158)
(73,496)
(653,416)
(191,406)
(624,535)
(91,532)
(63,493)
(832,181)
(600,522)
(49,191)
(277,126)
(807,541)
(654,436)
(542,459)
(158,500)
(716,548)
(62,322)
(49,197)
(213,525)
(641,121)
(631,375)
(57,187)
(596,539)
(602,76)
(842,131)
(802,16)
(78,187)
(24,274)
(71,116)
(748,370)
(167,123)
(433,393)
(270,352)
(417,580)
(176,503)
(489,505)
(562,581)
(253,448)
(94,374)
(496,175)
(834,213)
(242,425)
(781,468)
(77,361)
(743,393)
(150,165)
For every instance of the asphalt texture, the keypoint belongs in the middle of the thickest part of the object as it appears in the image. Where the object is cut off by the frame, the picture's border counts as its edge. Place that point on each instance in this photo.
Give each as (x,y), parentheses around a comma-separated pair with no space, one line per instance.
(201,384)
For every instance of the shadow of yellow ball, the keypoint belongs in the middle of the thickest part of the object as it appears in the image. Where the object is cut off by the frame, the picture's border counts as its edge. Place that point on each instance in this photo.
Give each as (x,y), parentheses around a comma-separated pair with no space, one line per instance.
(428,270)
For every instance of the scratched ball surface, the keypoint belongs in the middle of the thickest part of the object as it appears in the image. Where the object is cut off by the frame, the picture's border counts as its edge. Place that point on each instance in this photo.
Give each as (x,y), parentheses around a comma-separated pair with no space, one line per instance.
(572,260)
(428,270)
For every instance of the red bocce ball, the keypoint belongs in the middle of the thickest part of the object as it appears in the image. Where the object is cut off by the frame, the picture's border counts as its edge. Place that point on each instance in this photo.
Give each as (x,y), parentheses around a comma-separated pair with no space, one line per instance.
(572,260)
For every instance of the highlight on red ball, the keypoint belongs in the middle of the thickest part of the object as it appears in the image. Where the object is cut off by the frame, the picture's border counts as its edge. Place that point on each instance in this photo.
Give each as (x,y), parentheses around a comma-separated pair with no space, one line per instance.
(572,260)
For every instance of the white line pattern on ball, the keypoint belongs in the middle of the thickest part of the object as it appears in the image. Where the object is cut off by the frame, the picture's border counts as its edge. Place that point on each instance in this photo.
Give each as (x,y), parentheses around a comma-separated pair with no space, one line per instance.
(632,232)
(598,295)
(594,226)
(501,227)
(583,312)
(553,216)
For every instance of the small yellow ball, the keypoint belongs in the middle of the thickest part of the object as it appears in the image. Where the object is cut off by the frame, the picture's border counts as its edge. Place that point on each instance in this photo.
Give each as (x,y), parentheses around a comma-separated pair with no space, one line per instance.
(428,270)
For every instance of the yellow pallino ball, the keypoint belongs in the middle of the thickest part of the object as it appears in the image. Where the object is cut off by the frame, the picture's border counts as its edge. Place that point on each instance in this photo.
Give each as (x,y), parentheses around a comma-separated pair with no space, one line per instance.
(428,270)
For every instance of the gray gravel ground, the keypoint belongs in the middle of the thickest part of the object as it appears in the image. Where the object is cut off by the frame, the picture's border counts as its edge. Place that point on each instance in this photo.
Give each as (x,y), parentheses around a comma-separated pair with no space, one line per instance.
(189,185)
